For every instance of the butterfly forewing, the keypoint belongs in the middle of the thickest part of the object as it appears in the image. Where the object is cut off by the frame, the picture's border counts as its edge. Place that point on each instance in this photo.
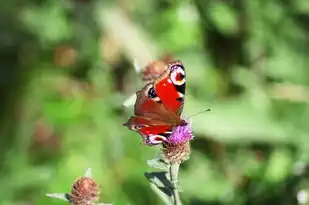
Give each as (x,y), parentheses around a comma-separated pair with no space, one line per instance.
(171,86)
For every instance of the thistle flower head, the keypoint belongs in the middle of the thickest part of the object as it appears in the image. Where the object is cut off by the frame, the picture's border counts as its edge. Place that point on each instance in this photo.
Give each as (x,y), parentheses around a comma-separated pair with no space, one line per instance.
(176,148)
(181,134)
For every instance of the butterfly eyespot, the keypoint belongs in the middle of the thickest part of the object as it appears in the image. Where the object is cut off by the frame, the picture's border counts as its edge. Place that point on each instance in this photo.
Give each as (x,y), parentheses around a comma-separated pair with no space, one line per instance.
(137,127)
(152,93)
(178,75)
(155,139)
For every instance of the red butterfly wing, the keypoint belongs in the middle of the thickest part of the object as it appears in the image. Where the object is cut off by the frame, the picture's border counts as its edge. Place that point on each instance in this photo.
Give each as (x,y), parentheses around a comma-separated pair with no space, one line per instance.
(171,86)
(152,121)
(152,131)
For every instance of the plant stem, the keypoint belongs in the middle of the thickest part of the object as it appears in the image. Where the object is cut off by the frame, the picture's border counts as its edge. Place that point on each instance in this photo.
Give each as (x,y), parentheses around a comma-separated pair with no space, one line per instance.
(173,171)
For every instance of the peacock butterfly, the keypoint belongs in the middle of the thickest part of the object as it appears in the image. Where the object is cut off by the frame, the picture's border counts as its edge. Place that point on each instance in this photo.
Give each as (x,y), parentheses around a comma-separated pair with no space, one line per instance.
(159,105)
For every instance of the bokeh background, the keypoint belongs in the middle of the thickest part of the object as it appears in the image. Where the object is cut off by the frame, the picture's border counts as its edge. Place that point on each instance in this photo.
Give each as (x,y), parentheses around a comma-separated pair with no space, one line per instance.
(66,68)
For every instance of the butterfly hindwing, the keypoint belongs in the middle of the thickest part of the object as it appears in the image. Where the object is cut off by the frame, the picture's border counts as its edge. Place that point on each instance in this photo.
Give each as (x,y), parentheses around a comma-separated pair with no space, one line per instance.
(152,131)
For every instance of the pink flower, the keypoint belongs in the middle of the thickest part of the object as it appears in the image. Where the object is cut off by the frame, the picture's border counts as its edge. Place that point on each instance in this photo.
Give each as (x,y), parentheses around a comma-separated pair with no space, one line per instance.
(181,134)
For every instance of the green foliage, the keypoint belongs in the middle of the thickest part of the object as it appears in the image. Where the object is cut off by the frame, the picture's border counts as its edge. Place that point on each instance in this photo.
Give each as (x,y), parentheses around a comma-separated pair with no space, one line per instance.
(246,60)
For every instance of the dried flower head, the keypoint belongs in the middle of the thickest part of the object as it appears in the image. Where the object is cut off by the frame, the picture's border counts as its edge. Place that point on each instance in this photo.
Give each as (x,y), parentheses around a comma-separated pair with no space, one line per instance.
(85,191)
(155,68)
(176,148)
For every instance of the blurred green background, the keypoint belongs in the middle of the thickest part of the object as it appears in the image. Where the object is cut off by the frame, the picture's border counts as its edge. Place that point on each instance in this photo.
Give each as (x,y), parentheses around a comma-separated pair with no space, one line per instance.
(66,68)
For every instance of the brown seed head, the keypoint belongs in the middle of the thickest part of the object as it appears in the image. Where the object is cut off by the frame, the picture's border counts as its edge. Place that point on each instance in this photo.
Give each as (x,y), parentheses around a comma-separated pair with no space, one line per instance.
(85,191)
(155,68)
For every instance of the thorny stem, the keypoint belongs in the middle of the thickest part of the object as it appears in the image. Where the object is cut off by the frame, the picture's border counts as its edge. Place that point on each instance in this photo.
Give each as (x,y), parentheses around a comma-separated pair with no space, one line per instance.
(173,171)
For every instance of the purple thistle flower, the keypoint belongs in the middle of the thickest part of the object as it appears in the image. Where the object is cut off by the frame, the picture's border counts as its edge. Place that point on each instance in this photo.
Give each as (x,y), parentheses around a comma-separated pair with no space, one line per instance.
(181,134)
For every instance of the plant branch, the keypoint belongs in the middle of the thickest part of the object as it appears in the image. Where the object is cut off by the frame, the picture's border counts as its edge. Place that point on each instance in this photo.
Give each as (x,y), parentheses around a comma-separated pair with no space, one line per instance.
(165,183)
(173,173)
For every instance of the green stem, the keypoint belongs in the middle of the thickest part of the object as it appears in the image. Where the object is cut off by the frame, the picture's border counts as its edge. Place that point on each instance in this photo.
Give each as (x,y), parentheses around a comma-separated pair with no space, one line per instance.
(173,171)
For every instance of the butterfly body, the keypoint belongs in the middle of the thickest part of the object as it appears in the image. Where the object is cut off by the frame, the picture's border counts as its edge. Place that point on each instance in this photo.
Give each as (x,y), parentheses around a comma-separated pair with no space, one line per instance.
(159,105)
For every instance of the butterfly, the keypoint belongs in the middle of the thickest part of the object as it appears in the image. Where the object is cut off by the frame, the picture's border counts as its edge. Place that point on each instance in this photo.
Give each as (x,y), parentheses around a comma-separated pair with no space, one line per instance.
(159,105)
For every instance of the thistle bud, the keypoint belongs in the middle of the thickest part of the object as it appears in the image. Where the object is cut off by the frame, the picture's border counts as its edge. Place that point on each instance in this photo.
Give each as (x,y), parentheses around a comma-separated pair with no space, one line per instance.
(155,68)
(85,191)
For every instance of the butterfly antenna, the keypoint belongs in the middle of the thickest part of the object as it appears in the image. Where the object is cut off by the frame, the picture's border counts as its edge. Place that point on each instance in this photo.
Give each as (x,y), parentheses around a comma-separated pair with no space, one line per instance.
(207,110)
